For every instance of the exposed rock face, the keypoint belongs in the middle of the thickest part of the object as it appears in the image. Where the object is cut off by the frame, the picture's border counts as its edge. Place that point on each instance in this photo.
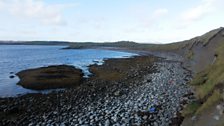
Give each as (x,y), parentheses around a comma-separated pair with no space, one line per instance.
(51,77)
(206,60)
(203,49)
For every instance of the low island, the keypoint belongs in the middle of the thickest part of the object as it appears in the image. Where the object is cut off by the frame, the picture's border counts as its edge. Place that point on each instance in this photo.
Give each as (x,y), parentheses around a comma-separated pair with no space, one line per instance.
(51,77)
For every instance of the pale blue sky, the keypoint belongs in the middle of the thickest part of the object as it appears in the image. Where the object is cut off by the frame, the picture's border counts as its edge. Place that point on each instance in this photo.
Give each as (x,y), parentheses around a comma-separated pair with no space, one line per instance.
(156,21)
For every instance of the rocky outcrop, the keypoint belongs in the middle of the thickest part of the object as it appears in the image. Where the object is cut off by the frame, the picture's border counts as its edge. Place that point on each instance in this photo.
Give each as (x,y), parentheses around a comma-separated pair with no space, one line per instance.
(51,77)
(202,49)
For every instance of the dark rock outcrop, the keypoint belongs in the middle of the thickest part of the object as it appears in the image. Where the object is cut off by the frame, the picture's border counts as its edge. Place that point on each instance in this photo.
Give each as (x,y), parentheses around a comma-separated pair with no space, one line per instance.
(51,77)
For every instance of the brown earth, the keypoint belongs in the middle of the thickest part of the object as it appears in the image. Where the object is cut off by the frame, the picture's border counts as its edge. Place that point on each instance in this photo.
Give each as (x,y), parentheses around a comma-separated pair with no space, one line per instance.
(120,69)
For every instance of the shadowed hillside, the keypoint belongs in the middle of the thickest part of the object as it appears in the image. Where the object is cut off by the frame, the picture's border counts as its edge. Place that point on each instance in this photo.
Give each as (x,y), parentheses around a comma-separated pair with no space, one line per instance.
(206,56)
(202,50)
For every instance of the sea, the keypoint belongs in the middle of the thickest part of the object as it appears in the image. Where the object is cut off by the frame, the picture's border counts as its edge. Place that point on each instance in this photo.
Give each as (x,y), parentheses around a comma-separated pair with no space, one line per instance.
(15,58)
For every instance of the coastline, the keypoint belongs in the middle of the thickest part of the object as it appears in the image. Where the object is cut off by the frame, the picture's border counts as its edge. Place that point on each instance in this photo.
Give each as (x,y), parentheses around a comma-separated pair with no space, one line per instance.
(196,54)
(133,73)
(121,49)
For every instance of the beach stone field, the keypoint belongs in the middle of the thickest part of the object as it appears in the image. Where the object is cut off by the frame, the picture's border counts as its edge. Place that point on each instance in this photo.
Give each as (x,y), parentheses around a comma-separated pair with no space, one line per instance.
(147,94)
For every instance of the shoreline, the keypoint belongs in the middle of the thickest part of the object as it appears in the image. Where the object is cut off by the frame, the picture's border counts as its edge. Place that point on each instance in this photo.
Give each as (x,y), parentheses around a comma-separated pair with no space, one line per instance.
(121,49)
(136,51)
(134,74)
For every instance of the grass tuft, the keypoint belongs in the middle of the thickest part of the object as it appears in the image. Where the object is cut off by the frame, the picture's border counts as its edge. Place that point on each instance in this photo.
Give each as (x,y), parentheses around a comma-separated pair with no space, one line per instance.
(213,99)
(190,54)
(190,109)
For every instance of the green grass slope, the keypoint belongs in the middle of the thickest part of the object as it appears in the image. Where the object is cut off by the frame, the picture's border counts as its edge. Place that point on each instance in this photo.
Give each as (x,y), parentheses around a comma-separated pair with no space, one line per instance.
(209,82)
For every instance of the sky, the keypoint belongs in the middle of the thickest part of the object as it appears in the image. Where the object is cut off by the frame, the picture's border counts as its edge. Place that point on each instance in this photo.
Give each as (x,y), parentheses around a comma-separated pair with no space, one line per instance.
(145,21)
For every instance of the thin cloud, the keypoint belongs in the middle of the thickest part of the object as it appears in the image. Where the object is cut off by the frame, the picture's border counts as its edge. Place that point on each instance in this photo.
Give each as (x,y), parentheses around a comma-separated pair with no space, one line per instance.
(36,10)
(148,19)
(160,12)
(199,12)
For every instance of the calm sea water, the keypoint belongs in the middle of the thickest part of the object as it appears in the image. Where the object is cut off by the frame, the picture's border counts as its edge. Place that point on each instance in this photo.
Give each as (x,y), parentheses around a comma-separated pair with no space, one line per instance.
(14,58)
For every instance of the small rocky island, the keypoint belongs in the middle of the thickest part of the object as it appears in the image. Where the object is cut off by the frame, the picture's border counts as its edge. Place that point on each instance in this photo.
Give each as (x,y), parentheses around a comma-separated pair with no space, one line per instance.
(51,77)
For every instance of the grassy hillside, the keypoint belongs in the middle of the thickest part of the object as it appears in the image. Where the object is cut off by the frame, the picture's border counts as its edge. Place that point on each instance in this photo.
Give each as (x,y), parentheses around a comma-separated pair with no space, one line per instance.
(128,45)
(209,82)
